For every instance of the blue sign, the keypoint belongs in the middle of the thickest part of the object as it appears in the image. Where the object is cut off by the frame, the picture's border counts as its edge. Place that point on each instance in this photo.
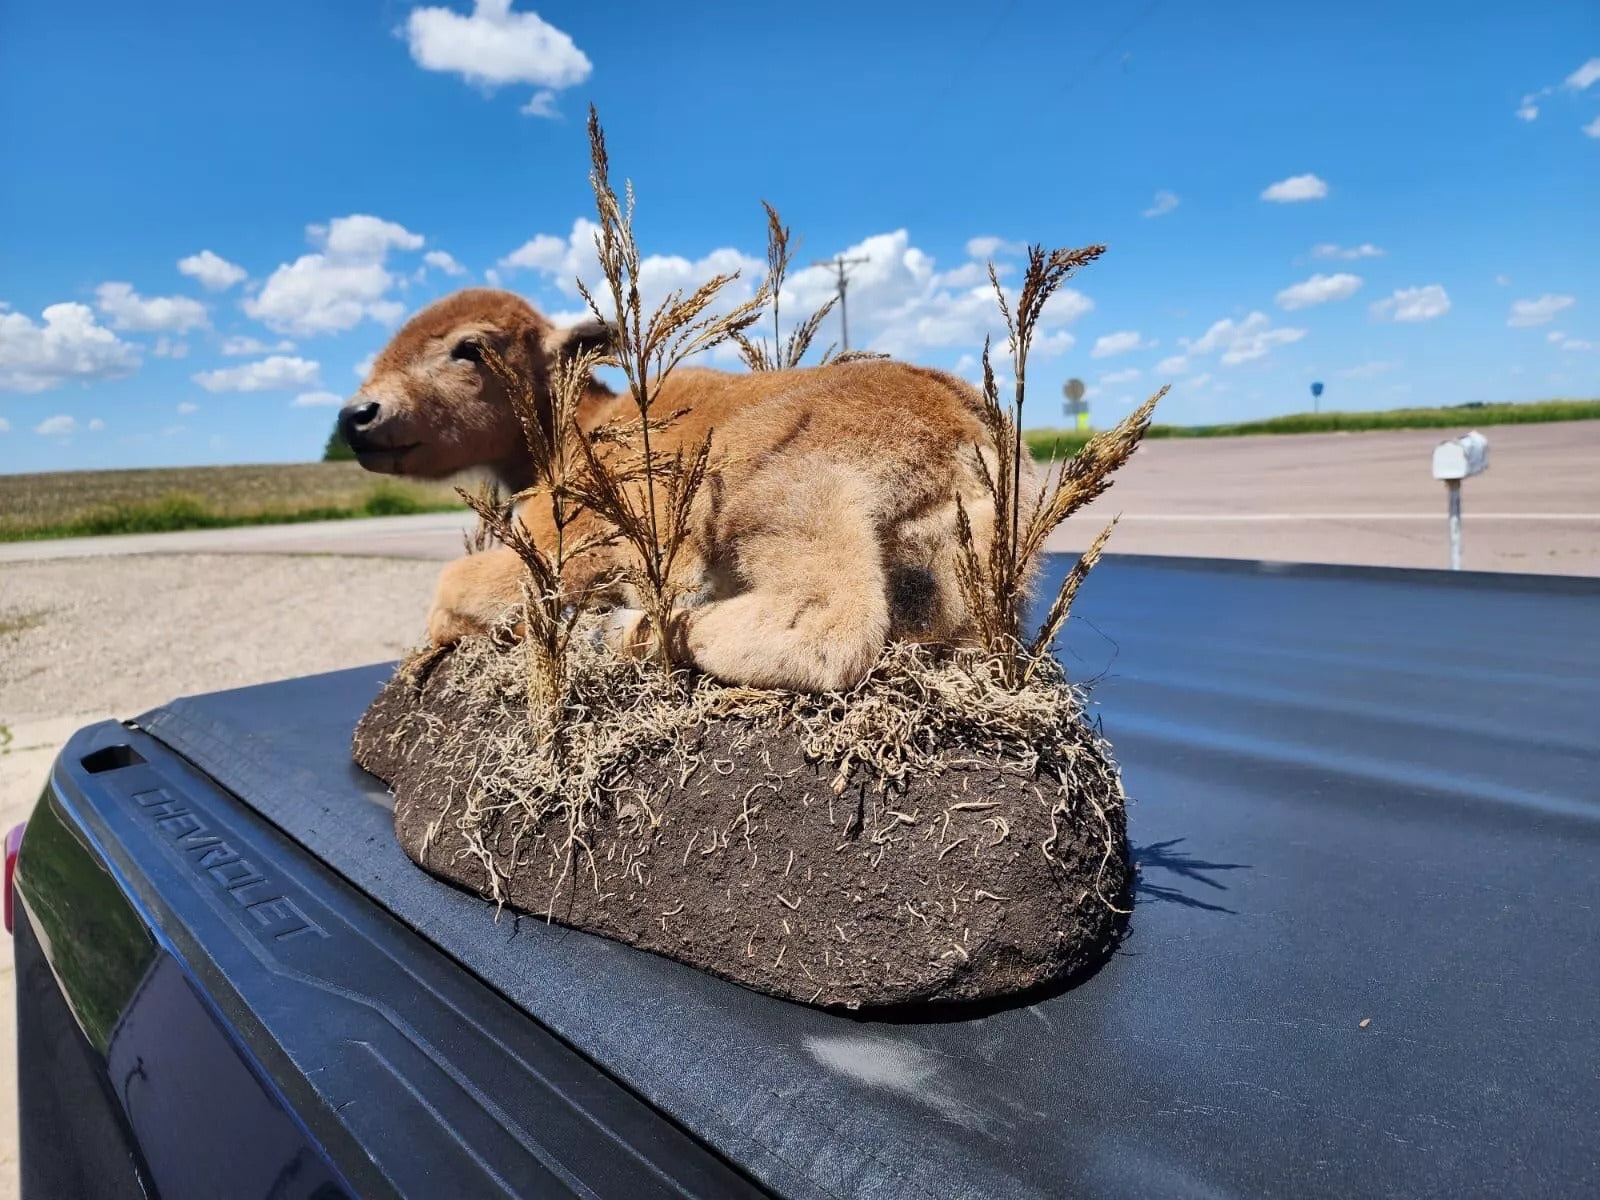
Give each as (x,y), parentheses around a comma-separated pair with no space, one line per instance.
(1316,389)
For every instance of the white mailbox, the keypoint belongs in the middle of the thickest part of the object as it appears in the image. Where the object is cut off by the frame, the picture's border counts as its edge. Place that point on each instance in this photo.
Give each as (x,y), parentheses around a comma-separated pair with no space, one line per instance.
(1462,457)
(1453,461)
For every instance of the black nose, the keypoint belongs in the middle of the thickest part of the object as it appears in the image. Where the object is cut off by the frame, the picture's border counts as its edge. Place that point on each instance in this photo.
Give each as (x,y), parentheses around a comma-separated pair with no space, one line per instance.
(355,418)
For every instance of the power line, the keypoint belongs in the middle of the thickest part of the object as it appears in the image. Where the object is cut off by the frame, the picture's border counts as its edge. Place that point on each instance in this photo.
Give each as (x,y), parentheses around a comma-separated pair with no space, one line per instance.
(839,263)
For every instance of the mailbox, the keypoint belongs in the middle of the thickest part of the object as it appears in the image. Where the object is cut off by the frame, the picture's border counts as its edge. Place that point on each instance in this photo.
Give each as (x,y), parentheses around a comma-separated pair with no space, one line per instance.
(1462,457)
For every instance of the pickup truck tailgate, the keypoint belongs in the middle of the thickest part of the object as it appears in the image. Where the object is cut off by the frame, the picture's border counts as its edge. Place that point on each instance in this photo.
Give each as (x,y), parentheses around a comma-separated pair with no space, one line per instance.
(1363,959)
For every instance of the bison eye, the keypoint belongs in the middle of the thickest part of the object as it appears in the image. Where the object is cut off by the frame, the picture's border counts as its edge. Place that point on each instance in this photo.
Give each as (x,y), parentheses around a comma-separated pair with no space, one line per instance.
(467,350)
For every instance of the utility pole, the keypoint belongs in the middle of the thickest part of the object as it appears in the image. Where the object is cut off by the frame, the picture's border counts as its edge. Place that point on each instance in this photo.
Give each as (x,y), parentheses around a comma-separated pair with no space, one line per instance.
(839,263)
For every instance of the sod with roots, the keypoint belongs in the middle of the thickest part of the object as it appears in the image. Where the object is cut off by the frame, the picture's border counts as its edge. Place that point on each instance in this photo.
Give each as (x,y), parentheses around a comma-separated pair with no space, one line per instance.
(932,835)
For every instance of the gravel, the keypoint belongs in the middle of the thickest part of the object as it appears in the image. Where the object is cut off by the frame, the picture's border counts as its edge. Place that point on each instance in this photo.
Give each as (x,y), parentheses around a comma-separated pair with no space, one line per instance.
(121,635)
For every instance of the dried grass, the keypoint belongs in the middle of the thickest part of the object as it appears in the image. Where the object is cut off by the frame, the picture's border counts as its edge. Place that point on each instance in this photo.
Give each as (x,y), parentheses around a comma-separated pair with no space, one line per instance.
(994,584)
(918,713)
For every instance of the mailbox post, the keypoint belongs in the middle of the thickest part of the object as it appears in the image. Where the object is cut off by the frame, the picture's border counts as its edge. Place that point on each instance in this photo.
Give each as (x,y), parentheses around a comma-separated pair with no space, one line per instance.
(1455,460)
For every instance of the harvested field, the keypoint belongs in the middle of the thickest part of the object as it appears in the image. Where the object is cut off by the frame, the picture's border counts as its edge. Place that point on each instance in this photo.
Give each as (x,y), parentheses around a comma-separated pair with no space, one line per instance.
(86,503)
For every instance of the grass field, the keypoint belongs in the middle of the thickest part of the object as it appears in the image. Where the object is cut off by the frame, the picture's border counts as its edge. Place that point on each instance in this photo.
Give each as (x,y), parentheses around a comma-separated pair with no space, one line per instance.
(1046,443)
(86,503)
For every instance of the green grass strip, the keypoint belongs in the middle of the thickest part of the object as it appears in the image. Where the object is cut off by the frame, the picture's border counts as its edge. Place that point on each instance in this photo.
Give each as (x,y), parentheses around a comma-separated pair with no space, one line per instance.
(1045,443)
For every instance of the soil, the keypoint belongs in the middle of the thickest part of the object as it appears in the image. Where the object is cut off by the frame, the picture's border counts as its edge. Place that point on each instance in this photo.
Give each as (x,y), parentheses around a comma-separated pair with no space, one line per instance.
(969,882)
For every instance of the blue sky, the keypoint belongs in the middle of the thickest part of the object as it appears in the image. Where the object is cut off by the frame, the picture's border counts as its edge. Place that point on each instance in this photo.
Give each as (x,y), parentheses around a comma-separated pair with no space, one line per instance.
(210,215)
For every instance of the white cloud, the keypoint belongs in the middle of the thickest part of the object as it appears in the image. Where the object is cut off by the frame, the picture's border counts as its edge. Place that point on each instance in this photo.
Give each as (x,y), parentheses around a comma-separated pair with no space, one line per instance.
(1117,343)
(269,375)
(174,430)
(1369,370)
(1319,289)
(317,400)
(1175,364)
(212,270)
(68,346)
(1538,312)
(1242,341)
(1563,342)
(1163,203)
(1592,129)
(186,408)
(96,425)
(900,303)
(339,288)
(148,314)
(1585,75)
(166,347)
(60,425)
(1503,280)
(1296,188)
(981,249)
(495,46)
(1331,250)
(1115,377)
(5,425)
(1413,304)
(1528,110)
(235,347)
(443,261)
(364,367)
(363,238)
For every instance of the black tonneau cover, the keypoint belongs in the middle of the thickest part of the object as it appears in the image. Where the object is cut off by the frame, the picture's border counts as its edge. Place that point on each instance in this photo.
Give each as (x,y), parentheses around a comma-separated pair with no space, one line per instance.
(1364,958)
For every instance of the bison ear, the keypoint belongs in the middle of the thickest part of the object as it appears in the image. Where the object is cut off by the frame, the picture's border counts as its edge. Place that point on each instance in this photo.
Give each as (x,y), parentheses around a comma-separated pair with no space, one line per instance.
(591,335)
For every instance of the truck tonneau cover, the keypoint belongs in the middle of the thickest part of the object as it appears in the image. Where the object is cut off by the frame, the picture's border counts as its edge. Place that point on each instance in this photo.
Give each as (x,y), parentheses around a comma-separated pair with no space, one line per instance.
(1363,959)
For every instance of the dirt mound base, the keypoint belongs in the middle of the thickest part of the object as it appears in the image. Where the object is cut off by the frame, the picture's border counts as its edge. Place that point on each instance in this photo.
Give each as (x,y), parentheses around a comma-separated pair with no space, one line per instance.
(735,850)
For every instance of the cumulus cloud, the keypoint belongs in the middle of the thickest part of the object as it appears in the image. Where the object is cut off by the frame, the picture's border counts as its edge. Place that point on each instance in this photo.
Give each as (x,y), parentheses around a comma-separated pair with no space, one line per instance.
(1111,378)
(1175,364)
(96,425)
(1241,341)
(1528,109)
(1117,343)
(1163,203)
(363,238)
(186,408)
(440,260)
(5,425)
(1333,250)
(338,288)
(317,400)
(496,46)
(1319,289)
(364,367)
(235,347)
(166,347)
(900,303)
(1563,342)
(1538,312)
(59,425)
(1413,304)
(274,374)
(1581,79)
(68,346)
(212,270)
(1592,129)
(1296,188)
(981,249)
(148,314)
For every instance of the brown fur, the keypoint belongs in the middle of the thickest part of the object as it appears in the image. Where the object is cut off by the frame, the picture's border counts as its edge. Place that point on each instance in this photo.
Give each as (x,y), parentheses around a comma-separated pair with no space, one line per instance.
(827,524)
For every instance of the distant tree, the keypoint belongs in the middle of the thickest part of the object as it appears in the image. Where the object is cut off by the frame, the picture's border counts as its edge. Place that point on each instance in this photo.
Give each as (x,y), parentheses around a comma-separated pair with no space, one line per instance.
(337,449)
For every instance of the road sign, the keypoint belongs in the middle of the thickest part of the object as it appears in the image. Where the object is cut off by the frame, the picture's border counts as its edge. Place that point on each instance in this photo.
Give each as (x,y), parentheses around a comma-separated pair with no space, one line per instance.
(1076,406)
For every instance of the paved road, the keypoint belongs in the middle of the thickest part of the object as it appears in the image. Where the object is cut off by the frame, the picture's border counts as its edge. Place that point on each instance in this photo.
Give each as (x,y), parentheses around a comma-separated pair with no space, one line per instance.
(1344,498)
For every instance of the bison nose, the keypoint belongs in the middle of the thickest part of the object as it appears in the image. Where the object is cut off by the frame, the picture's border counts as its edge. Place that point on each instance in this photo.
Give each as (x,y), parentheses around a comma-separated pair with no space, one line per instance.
(355,418)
